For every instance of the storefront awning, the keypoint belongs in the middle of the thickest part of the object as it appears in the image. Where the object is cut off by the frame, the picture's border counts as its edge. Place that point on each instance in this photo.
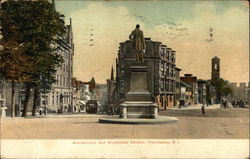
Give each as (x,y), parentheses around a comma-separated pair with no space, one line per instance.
(82,102)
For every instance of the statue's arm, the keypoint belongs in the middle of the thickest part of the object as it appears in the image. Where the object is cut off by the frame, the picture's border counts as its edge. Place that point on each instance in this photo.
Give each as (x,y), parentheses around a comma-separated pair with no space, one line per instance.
(131,35)
(143,39)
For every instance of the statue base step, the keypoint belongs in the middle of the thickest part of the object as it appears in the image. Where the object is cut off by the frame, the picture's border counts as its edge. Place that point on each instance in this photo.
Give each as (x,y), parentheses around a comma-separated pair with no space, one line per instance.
(139,109)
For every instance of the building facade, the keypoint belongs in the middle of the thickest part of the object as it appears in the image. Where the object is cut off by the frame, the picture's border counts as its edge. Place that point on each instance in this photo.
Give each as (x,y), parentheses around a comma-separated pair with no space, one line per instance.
(111,103)
(240,92)
(178,85)
(202,91)
(161,77)
(185,94)
(60,98)
(193,92)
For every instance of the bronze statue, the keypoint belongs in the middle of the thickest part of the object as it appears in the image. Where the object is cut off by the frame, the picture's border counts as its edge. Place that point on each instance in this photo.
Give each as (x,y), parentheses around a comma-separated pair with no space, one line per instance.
(138,43)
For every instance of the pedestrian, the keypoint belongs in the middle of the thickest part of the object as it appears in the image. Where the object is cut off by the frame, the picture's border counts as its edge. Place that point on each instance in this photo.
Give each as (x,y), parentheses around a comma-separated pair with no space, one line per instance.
(40,111)
(225,104)
(45,110)
(179,106)
(203,109)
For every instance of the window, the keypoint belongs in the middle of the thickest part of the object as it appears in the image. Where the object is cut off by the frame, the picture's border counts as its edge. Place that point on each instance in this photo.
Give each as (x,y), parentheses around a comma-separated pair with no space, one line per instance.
(57,98)
(60,80)
(64,81)
(162,85)
(53,100)
(162,53)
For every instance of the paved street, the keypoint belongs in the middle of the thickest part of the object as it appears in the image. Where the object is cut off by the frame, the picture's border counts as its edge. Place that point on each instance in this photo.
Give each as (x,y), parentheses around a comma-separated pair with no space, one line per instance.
(232,123)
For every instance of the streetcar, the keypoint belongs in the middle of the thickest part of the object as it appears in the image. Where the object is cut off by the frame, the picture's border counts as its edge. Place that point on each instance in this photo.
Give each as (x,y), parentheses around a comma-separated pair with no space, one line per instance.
(91,106)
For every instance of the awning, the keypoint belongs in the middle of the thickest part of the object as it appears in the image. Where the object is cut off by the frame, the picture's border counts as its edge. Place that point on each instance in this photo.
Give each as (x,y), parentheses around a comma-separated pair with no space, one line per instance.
(82,102)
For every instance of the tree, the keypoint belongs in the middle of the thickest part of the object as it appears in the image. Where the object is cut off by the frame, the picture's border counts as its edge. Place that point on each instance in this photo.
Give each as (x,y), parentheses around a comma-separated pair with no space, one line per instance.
(222,87)
(14,63)
(39,26)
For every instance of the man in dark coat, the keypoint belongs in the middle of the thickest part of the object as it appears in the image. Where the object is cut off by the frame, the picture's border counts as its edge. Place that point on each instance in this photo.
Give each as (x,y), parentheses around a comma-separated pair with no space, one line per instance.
(138,43)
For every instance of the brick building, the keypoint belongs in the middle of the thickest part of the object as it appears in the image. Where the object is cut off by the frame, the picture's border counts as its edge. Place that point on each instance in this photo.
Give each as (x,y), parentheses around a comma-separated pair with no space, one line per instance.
(193,93)
(160,61)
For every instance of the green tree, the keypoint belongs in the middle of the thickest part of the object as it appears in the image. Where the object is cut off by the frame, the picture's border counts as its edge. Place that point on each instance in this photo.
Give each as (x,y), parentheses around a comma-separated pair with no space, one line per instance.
(39,26)
(14,63)
(222,87)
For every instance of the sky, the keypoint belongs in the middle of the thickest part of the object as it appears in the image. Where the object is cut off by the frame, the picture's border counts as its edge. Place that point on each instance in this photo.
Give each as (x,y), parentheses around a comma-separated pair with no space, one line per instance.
(184,26)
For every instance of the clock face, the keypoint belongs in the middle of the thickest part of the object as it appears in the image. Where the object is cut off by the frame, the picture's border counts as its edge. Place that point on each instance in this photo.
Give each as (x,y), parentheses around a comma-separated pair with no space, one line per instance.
(216,66)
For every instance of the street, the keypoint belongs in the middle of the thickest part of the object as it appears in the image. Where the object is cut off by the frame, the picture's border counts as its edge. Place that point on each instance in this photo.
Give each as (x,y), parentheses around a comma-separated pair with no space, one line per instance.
(231,123)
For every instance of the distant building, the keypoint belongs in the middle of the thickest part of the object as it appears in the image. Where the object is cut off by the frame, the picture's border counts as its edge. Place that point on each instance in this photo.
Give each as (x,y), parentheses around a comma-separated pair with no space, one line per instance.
(111,103)
(202,91)
(192,81)
(101,93)
(215,68)
(185,94)
(77,92)
(248,95)
(240,92)
(161,76)
(210,93)
(177,86)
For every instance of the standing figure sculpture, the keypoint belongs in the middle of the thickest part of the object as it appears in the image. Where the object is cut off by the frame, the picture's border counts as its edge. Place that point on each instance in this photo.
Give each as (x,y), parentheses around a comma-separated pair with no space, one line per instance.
(138,43)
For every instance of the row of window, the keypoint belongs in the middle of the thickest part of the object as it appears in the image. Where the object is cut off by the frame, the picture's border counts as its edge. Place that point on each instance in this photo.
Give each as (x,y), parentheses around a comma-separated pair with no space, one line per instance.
(167,55)
(55,98)
(167,70)
(62,80)
(167,85)
(64,67)
(63,53)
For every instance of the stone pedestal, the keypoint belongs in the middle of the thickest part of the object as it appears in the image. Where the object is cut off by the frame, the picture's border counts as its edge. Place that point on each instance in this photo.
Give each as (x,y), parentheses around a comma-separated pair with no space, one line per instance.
(138,102)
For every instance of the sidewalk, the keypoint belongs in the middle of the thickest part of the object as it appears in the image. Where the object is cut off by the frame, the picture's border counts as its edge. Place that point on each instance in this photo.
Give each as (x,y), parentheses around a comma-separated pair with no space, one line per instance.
(198,106)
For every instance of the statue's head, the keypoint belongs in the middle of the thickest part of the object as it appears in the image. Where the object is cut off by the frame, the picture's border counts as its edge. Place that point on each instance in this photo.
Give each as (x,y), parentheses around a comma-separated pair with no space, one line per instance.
(138,26)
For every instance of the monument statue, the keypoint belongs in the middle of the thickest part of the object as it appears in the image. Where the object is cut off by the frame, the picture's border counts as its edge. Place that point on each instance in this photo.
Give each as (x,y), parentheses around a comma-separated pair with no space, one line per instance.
(138,43)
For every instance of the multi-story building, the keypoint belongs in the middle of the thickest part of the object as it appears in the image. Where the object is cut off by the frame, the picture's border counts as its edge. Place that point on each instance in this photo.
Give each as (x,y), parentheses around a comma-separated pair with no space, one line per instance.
(101,93)
(2,81)
(61,94)
(185,94)
(161,76)
(178,85)
(77,92)
(202,91)
(111,93)
(192,81)
(60,98)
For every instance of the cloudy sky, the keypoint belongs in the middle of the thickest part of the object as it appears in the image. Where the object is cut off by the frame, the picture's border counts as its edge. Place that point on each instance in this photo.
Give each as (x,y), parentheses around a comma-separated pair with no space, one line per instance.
(185,26)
